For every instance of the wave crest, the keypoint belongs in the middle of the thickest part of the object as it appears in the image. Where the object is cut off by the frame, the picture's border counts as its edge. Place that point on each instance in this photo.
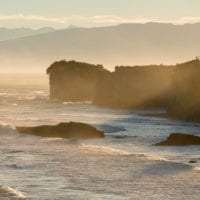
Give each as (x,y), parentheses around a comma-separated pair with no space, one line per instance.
(6,129)
(103,149)
(7,192)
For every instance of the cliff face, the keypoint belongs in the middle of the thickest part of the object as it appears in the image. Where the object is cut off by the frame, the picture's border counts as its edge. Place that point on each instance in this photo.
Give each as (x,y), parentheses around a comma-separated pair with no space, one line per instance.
(174,88)
(74,81)
(185,91)
(134,87)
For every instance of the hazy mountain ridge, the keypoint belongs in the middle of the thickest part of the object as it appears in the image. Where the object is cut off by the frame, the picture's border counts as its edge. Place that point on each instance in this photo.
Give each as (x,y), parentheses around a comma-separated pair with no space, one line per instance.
(128,44)
(11,34)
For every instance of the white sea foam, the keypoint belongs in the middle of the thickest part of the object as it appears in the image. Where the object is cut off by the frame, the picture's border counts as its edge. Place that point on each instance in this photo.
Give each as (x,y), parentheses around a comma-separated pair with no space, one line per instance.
(52,139)
(103,149)
(196,168)
(7,193)
(38,92)
(6,130)
(28,119)
(156,157)
(3,93)
(30,97)
(110,150)
(77,103)
(4,125)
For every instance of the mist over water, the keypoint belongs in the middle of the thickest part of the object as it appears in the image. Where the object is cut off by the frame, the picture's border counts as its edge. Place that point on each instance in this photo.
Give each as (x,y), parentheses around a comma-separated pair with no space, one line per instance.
(21,80)
(127,80)
(123,165)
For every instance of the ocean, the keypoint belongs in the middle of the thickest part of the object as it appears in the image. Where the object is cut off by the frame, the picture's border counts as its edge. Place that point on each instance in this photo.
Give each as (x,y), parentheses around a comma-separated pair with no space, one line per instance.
(122,166)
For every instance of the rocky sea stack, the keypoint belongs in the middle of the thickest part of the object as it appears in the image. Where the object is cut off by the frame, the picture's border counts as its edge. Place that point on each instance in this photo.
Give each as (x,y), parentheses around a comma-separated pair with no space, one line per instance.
(174,88)
(63,130)
(180,139)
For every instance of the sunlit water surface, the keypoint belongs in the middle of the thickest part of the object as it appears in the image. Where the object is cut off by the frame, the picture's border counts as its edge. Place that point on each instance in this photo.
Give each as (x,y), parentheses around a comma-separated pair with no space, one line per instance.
(124,165)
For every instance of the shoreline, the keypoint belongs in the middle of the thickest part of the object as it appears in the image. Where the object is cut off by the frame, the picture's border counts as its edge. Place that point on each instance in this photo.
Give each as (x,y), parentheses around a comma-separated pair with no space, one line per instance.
(168,116)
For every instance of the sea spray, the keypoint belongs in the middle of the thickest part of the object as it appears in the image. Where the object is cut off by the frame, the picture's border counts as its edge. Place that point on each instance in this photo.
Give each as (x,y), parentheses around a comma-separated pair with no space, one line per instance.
(7,192)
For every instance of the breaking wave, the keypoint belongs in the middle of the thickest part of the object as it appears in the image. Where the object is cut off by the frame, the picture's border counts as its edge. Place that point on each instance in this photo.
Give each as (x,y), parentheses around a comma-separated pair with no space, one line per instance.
(5,126)
(77,103)
(103,149)
(38,92)
(110,129)
(7,193)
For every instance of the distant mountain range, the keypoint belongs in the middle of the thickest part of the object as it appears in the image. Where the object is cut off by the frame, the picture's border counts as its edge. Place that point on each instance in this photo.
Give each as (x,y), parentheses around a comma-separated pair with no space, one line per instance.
(10,34)
(125,44)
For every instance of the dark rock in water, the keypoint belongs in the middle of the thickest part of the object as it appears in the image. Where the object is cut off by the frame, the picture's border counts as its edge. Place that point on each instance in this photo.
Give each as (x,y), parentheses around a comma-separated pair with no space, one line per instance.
(120,136)
(63,130)
(192,161)
(180,139)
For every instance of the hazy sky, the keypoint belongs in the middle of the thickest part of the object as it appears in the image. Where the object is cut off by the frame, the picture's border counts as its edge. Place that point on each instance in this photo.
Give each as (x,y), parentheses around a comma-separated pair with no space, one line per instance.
(62,13)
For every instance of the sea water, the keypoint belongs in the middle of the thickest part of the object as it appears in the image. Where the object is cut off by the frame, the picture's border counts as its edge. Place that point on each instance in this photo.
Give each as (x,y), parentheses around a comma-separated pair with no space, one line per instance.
(122,166)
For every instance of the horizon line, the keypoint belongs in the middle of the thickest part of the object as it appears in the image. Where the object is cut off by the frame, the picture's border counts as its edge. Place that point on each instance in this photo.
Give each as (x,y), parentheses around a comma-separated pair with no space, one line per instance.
(72,26)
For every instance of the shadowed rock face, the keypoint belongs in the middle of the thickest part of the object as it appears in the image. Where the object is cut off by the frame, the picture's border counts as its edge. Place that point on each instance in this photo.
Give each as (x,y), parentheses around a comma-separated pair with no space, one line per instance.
(175,88)
(179,139)
(126,87)
(135,87)
(185,92)
(63,130)
(74,81)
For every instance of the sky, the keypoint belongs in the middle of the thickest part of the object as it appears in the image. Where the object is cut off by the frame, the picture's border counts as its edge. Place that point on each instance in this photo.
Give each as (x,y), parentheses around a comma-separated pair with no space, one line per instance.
(89,13)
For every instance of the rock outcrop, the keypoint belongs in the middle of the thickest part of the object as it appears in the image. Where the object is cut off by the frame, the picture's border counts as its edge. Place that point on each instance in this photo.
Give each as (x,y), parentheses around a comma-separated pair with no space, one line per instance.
(63,130)
(180,139)
(74,81)
(184,102)
(126,87)
(175,88)
(135,87)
